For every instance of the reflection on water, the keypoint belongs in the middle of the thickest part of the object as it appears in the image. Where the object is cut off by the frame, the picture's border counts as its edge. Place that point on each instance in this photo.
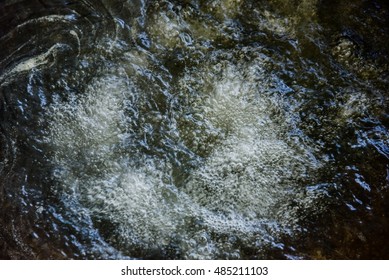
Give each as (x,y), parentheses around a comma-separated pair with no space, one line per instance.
(223,129)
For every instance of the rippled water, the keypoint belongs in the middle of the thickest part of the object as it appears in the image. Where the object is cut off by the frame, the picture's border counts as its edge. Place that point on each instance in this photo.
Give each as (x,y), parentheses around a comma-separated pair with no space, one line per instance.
(224,129)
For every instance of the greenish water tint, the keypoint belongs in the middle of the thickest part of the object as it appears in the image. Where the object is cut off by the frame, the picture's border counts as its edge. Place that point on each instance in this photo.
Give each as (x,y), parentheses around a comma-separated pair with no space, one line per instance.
(223,129)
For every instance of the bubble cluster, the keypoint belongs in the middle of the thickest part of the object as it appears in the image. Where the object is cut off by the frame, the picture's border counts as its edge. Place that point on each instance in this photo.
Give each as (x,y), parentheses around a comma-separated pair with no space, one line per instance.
(245,173)
(197,158)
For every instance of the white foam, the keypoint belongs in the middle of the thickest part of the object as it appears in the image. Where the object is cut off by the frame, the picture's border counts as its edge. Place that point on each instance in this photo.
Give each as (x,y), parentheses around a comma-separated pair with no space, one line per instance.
(249,170)
(253,168)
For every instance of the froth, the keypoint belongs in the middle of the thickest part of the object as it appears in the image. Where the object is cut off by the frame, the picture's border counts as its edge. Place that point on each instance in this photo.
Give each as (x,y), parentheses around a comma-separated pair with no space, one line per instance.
(253,169)
(235,194)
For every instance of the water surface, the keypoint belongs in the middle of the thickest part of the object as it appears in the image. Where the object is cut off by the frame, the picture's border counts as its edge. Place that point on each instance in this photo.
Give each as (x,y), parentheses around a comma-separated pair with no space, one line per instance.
(223,129)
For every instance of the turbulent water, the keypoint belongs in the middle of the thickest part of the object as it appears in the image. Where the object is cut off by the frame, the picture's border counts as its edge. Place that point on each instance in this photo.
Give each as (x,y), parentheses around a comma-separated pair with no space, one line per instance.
(224,129)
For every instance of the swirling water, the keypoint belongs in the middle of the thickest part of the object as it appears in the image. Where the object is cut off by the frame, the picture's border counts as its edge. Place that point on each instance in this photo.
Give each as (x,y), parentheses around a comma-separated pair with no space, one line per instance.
(224,129)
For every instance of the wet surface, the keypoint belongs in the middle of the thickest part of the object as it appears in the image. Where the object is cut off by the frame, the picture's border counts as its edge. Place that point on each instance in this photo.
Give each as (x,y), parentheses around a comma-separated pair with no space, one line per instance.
(223,129)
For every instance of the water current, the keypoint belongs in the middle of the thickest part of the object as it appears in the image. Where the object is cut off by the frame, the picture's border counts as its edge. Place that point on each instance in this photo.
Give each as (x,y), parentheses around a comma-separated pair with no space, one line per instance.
(222,129)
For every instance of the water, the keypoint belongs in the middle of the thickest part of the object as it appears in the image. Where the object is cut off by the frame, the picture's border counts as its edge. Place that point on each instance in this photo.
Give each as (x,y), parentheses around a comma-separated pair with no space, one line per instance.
(224,129)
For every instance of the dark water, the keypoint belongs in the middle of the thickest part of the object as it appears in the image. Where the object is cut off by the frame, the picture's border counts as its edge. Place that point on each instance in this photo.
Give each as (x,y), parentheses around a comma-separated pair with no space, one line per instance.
(225,129)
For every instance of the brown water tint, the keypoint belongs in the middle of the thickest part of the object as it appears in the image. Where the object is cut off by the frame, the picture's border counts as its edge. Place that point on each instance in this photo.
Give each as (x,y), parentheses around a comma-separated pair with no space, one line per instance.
(223,129)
